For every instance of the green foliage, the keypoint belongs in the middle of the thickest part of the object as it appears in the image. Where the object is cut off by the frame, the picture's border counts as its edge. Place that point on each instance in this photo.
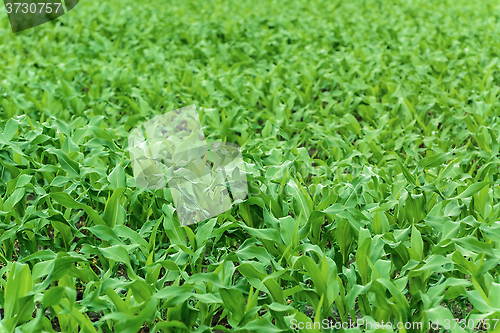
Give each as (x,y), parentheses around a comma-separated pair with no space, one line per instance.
(369,129)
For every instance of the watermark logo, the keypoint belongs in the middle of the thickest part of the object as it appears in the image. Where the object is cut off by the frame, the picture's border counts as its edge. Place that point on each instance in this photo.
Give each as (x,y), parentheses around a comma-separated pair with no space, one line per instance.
(204,178)
(26,14)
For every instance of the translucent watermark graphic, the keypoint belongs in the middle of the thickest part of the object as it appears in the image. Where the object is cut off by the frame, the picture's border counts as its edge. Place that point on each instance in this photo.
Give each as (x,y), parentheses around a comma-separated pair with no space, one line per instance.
(26,14)
(204,178)
(370,324)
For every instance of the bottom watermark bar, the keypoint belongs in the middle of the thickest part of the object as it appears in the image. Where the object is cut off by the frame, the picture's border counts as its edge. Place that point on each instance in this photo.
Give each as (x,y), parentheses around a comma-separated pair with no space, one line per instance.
(371,325)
